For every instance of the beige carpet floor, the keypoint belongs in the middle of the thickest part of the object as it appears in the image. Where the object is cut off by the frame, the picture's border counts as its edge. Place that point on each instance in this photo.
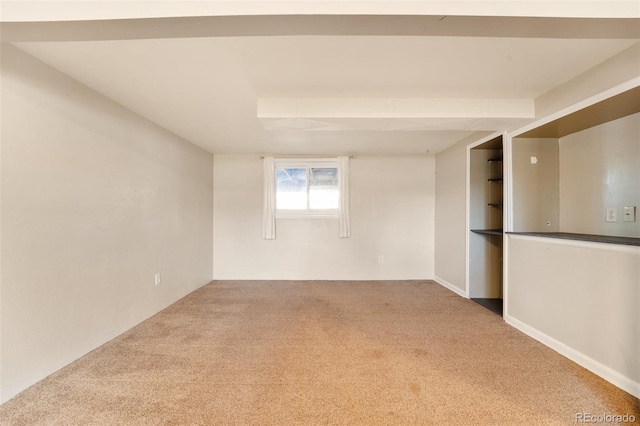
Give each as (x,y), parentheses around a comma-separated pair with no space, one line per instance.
(314,353)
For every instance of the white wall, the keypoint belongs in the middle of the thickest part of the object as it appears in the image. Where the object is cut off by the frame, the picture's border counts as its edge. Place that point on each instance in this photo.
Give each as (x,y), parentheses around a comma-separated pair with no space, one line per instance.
(582,300)
(450,215)
(600,168)
(392,207)
(94,201)
(536,187)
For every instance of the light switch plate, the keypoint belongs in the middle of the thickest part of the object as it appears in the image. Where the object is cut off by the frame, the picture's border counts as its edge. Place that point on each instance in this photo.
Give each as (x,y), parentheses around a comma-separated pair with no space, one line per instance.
(629,214)
(612,214)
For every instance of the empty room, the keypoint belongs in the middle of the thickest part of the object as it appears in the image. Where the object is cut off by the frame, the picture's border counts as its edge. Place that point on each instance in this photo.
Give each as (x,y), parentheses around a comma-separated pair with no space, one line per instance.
(319,212)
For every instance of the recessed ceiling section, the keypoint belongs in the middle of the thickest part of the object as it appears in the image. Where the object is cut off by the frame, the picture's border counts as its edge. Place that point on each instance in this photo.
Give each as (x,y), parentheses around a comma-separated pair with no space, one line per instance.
(371,94)
(394,114)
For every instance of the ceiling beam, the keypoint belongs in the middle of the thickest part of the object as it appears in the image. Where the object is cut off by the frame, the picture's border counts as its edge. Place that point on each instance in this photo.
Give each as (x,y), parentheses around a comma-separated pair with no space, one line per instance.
(393,114)
(321,25)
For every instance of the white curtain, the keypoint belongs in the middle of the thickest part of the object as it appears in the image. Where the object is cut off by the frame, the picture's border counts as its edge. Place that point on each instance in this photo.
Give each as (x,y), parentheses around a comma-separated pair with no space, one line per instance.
(269,200)
(345,217)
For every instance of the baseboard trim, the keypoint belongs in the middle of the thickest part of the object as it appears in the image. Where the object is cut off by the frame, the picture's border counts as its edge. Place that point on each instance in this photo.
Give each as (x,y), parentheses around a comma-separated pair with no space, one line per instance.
(446,284)
(596,367)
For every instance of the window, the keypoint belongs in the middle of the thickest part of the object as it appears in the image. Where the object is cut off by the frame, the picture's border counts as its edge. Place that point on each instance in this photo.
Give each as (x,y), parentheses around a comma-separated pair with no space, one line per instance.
(307,188)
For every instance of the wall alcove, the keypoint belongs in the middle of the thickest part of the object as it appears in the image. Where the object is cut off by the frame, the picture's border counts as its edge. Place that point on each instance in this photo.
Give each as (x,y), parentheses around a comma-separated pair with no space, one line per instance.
(486,200)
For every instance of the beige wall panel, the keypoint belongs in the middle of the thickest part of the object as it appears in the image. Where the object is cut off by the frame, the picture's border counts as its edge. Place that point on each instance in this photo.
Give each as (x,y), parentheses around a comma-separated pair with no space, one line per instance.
(95,201)
(392,207)
(599,169)
(535,186)
(583,295)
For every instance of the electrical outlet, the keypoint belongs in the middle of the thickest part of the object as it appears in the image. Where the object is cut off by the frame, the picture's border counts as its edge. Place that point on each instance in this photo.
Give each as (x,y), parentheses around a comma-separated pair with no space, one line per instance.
(629,214)
(380,259)
(612,214)
(157,278)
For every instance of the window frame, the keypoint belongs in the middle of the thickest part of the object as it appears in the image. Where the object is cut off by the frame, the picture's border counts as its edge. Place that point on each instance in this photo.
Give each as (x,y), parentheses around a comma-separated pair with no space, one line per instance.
(306,163)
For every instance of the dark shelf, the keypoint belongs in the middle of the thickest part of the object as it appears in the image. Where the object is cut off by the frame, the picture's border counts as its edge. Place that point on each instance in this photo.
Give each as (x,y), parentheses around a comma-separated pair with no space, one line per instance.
(488,231)
(496,159)
(495,180)
(495,204)
(608,239)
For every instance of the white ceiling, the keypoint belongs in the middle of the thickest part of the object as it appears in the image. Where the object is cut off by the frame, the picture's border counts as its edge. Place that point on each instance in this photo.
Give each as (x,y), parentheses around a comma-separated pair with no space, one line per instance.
(38,10)
(206,89)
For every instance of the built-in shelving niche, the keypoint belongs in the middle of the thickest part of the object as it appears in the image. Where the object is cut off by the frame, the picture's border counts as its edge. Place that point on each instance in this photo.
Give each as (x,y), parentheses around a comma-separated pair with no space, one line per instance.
(569,171)
(485,222)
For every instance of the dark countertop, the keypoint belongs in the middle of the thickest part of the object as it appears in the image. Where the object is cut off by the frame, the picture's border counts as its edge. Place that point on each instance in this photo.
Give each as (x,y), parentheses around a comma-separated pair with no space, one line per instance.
(488,231)
(608,239)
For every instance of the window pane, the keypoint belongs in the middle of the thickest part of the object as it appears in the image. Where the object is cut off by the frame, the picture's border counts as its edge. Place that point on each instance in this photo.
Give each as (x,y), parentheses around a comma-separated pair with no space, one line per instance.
(291,189)
(323,188)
